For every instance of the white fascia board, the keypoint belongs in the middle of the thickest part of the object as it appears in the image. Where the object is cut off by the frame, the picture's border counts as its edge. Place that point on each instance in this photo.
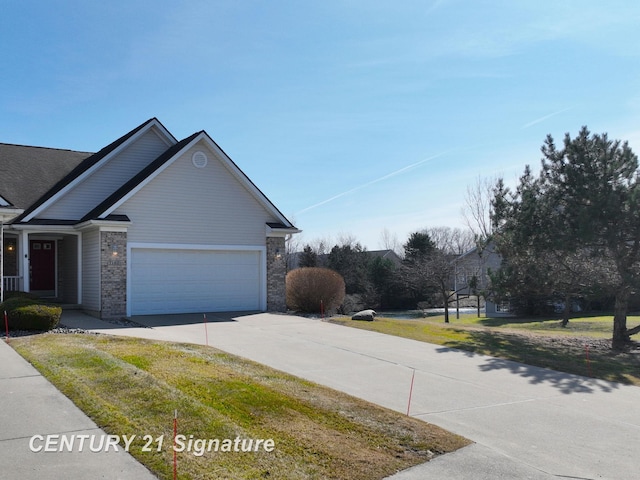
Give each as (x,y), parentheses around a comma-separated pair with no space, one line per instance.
(226,161)
(166,136)
(242,177)
(98,165)
(281,232)
(104,225)
(9,213)
(144,182)
(41,228)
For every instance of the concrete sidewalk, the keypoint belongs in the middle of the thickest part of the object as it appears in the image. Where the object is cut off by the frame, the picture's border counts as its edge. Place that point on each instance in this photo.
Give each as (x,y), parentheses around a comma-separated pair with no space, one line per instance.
(32,411)
(527,422)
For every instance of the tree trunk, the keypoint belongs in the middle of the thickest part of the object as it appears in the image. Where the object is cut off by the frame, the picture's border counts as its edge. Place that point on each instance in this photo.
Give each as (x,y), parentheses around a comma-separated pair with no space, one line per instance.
(445,297)
(620,333)
(567,311)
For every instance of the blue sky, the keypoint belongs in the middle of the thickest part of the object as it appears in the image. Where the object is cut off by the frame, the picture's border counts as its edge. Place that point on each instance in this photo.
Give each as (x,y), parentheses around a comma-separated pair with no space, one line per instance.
(351,116)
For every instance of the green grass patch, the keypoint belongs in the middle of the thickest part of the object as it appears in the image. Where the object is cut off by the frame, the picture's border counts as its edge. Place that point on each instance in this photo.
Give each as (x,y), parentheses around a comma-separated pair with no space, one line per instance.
(132,386)
(589,326)
(581,348)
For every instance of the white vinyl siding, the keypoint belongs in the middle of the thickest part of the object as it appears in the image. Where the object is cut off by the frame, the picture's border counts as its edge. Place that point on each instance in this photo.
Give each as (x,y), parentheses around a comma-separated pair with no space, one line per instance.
(89,193)
(176,280)
(185,204)
(91,270)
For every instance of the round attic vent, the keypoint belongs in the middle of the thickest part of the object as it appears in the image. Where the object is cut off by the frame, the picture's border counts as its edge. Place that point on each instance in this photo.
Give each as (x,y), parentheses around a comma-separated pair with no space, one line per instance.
(199,159)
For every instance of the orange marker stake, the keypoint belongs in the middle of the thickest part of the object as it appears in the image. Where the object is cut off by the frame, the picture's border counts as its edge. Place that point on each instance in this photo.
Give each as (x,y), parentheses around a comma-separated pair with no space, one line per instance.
(413,376)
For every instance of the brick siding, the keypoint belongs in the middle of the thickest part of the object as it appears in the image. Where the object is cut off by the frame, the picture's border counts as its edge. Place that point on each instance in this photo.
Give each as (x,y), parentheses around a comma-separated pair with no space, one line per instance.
(113,269)
(276,273)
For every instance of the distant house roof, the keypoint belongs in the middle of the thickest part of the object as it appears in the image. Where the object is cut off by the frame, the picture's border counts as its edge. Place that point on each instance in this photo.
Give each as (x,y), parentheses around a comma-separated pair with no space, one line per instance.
(386,254)
(27,173)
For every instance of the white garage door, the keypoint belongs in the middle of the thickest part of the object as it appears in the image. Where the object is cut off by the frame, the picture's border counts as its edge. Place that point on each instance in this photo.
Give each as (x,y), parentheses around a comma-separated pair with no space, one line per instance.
(186,281)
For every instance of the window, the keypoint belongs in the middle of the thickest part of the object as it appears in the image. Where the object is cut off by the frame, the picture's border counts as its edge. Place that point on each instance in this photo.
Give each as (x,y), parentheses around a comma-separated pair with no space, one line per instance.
(504,306)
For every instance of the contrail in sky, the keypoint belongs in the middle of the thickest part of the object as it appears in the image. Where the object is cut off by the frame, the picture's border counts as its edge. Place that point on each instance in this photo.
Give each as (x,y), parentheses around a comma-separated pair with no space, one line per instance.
(377,180)
(542,119)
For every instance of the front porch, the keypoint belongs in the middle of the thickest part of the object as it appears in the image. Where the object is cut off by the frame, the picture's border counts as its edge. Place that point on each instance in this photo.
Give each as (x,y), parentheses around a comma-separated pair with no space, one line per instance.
(44,263)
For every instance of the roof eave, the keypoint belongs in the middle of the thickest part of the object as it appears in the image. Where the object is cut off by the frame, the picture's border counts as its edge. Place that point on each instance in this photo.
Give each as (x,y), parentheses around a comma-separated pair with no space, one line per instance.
(111,204)
(281,231)
(100,223)
(9,213)
(102,156)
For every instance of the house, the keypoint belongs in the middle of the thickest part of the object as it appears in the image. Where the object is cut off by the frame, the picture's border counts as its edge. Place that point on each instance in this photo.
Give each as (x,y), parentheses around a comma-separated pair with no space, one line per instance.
(147,225)
(390,255)
(474,266)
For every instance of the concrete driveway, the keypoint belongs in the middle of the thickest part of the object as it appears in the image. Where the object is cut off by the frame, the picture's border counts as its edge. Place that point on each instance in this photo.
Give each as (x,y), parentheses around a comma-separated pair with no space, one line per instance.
(527,422)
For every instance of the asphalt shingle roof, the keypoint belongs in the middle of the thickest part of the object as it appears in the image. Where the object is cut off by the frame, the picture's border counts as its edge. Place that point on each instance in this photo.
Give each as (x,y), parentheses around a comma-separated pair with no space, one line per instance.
(86,164)
(27,173)
(29,176)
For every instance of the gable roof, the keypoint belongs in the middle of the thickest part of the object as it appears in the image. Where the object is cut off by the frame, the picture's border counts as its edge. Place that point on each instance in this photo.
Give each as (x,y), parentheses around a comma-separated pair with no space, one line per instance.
(155,167)
(27,173)
(86,166)
(386,255)
(116,197)
(80,165)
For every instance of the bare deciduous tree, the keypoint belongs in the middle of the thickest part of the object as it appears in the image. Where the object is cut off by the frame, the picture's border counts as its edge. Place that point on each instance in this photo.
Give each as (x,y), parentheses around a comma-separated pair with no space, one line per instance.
(477,209)
(452,241)
(389,241)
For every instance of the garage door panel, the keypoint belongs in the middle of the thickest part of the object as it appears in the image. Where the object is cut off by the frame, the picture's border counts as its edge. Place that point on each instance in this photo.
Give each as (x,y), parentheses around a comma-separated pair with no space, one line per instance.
(182,281)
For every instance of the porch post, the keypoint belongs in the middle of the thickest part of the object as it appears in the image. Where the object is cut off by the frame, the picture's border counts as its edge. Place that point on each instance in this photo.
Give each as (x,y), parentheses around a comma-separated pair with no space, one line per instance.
(1,259)
(24,253)
(79,268)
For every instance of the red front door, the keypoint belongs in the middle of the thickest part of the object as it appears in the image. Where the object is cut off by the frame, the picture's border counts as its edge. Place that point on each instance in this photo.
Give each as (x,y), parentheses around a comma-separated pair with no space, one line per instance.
(42,255)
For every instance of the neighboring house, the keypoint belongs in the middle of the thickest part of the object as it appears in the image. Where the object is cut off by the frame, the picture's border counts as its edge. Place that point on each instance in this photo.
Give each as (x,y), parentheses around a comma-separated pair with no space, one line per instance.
(476,264)
(390,255)
(147,225)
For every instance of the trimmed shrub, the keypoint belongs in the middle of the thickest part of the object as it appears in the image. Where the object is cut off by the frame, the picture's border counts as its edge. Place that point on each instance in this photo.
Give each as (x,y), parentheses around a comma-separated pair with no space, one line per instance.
(308,287)
(12,303)
(35,317)
(26,313)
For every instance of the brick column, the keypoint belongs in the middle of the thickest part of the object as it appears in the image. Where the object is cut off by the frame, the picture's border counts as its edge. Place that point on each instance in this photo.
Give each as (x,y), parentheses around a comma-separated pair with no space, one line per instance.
(276,273)
(113,274)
